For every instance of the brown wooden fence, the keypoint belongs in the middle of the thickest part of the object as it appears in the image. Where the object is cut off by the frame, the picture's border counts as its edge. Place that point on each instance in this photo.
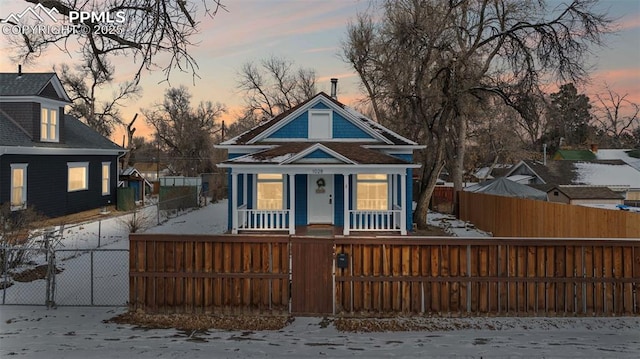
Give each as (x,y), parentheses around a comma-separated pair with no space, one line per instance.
(208,274)
(384,276)
(515,217)
(489,276)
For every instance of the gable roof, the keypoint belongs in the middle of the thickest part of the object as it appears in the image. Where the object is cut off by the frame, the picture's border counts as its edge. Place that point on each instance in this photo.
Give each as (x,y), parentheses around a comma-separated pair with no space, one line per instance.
(502,186)
(32,84)
(265,128)
(76,134)
(353,153)
(597,172)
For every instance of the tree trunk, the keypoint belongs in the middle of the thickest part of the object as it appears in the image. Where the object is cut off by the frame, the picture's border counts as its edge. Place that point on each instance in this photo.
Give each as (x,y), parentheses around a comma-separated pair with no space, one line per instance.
(433,164)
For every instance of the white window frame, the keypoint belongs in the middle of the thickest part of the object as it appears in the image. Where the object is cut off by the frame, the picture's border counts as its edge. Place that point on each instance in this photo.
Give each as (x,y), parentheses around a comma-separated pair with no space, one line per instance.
(106,190)
(270,180)
(84,165)
(357,181)
(23,204)
(51,131)
(318,132)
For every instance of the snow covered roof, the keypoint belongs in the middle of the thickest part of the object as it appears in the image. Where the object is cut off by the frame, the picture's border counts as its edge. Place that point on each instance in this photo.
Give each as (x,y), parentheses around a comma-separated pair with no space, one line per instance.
(354,153)
(611,173)
(619,154)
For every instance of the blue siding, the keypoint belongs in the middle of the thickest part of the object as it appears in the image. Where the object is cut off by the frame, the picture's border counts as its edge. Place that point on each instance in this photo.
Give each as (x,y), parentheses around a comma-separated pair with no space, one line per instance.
(338,194)
(409,199)
(318,154)
(47,183)
(297,128)
(405,157)
(320,106)
(301,200)
(250,203)
(343,128)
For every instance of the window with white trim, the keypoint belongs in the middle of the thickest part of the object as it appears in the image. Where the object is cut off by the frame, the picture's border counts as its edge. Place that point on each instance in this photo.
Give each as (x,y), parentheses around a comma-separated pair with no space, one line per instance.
(106,176)
(18,186)
(372,192)
(49,128)
(78,178)
(270,194)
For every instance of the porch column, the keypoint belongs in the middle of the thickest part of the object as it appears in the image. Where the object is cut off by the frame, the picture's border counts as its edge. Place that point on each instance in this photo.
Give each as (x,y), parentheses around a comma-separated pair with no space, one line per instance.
(292,203)
(403,204)
(234,202)
(345,226)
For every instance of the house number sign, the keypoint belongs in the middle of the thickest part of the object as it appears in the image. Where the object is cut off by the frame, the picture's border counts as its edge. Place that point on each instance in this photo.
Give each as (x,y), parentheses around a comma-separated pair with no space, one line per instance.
(317,171)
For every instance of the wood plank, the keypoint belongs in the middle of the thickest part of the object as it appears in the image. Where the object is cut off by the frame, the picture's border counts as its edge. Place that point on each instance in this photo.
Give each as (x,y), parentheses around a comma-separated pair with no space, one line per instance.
(396,269)
(560,260)
(367,269)
(598,255)
(550,288)
(607,269)
(627,260)
(406,285)
(454,267)
(618,288)
(434,261)
(445,287)
(483,271)
(589,272)
(376,290)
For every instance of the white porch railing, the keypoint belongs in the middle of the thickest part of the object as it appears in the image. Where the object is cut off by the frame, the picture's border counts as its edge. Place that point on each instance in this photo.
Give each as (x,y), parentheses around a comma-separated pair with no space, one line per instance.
(388,220)
(270,219)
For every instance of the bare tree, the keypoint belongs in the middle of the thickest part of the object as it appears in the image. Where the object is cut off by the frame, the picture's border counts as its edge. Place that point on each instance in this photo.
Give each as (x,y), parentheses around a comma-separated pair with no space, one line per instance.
(146,31)
(616,117)
(274,86)
(186,132)
(86,84)
(424,59)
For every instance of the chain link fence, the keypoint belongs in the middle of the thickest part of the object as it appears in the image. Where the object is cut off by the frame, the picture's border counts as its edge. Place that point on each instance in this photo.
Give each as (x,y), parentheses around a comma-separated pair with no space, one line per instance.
(66,277)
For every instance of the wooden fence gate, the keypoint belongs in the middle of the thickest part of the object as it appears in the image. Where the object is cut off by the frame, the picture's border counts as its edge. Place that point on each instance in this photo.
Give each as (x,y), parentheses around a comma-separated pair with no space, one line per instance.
(312,278)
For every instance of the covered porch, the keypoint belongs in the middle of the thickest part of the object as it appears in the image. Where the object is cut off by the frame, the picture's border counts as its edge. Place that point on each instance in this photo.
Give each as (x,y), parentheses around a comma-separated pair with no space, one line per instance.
(296,198)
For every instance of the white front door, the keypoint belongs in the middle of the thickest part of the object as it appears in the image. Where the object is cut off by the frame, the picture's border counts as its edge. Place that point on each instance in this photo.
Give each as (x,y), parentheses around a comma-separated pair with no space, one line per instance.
(320,198)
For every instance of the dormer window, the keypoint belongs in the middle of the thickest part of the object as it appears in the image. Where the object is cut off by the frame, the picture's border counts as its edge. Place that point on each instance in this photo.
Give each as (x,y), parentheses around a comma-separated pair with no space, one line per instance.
(49,128)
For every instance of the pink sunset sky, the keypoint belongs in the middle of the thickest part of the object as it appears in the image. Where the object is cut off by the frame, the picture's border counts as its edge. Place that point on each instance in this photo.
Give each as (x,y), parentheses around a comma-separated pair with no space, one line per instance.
(310,33)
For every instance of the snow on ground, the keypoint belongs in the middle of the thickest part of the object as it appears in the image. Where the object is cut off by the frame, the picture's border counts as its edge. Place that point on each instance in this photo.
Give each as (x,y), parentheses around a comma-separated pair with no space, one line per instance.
(454,226)
(80,332)
(35,332)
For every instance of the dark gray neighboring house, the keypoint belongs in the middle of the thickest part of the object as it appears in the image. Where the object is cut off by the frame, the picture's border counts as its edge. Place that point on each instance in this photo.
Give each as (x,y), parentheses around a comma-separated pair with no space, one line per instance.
(49,160)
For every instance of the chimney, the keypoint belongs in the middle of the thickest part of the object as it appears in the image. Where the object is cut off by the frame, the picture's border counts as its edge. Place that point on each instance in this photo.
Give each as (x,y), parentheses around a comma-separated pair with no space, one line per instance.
(19,70)
(334,88)
(594,148)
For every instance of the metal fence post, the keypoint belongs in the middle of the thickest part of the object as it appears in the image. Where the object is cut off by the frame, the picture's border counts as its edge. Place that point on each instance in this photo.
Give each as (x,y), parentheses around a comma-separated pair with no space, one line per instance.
(91,271)
(99,231)
(6,277)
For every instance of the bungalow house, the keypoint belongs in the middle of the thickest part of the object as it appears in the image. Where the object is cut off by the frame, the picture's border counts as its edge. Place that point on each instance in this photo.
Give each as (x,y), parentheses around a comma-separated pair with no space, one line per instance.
(616,175)
(49,160)
(320,162)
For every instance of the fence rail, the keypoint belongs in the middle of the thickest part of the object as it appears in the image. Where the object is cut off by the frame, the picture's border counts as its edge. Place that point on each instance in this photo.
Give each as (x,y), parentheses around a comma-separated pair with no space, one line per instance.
(496,276)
